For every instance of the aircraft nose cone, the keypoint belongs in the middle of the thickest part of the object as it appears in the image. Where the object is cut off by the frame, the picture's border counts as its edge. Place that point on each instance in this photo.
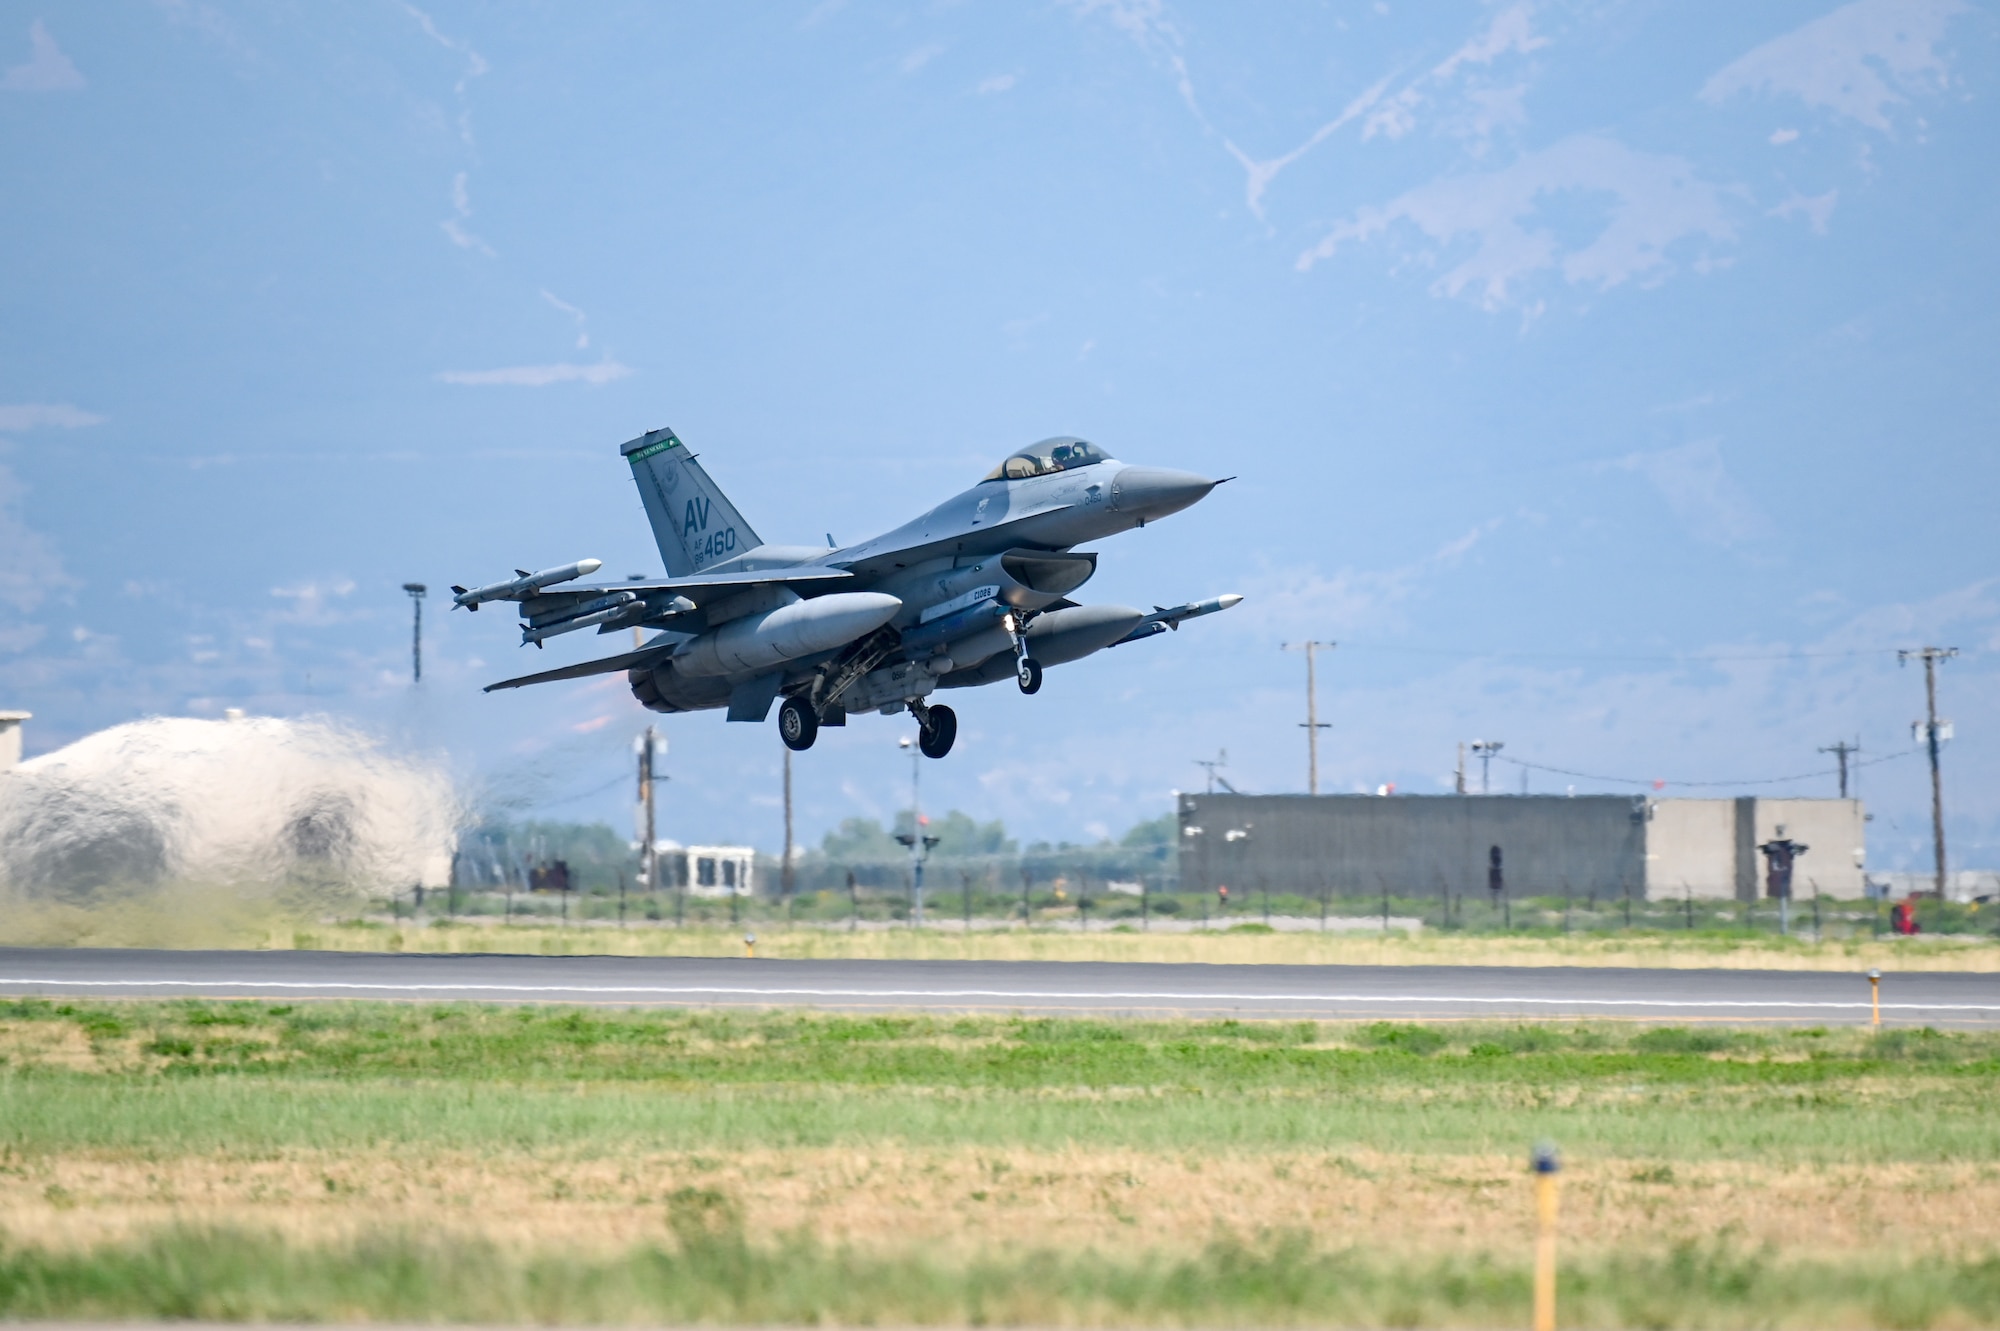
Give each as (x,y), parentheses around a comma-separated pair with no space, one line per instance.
(1154,492)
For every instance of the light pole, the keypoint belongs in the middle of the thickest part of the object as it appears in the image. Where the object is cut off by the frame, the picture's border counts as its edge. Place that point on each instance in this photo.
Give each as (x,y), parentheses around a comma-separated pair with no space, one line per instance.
(416,591)
(1486,748)
(1240,836)
(919,844)
(1190,832)
(785,873)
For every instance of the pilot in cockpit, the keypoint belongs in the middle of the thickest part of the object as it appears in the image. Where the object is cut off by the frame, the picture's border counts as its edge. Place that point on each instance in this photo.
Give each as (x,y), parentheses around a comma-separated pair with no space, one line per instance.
(1046,459)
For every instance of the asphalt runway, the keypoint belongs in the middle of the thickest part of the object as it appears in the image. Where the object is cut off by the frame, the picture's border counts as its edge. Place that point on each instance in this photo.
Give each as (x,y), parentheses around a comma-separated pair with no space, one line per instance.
(1101,988)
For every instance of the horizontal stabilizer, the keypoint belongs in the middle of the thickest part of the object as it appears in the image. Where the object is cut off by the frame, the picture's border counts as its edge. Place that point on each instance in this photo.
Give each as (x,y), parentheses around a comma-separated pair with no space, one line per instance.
(651,654)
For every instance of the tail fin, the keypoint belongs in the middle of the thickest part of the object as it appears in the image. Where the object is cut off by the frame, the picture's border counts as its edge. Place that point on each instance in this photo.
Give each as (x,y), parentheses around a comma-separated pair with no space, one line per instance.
(693,522)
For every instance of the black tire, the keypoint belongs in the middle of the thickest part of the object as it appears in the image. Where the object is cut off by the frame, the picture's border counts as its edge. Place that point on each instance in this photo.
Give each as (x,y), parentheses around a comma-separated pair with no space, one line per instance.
(938,732)
(1028,674)
(797,725)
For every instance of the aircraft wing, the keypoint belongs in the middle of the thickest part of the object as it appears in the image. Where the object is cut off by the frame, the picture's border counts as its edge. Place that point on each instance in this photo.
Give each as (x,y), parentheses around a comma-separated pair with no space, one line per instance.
(699,588)
(552,603)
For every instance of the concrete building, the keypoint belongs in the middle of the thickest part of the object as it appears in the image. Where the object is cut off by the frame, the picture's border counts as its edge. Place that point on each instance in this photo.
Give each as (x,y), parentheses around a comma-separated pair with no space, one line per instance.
(1708,848)
(708,871)
(1601,846)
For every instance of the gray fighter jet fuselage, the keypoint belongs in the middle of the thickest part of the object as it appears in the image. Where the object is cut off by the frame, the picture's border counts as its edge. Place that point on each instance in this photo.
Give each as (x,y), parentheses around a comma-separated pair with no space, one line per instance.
(973,592)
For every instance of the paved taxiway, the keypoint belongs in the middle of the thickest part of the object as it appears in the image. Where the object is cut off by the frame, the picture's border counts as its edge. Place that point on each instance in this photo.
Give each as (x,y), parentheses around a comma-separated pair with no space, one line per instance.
(1107,988)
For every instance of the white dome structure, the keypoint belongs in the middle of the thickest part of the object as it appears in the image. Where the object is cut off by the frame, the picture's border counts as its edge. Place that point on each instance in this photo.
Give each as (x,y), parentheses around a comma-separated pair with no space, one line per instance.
(264,805)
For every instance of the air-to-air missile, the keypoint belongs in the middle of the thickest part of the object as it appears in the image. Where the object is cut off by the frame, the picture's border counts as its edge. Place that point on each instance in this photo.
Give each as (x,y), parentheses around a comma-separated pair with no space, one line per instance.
(1170,617)
(527,584)
(597,610)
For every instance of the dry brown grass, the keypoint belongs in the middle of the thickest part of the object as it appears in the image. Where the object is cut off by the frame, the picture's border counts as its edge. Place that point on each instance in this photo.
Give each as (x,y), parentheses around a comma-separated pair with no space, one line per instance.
(966,1200)
(1311,949)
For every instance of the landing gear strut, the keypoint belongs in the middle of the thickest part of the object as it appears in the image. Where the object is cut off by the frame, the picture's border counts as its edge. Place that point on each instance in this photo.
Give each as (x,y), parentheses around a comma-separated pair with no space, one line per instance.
(1027,670)
(937,728)
(798,724)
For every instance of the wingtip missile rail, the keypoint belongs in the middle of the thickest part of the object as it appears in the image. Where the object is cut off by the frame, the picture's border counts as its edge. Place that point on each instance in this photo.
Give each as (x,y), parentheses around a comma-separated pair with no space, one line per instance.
(526,585)
(1171,617)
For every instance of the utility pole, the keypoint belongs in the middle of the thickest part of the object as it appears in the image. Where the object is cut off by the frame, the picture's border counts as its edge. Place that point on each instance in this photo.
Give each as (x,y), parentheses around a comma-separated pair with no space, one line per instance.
(785,869)
(1935,732)
(416,591)
(1841,751)
(1312,721)
(650,746)
(1458,777)
(1486,748)
(1221,759)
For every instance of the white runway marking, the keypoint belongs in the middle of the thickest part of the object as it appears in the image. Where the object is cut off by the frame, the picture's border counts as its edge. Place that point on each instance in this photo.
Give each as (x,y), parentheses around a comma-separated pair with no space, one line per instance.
(992,995)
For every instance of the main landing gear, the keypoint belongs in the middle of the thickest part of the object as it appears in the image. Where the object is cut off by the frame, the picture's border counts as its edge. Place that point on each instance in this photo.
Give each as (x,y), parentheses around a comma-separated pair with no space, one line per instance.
(937,726)
(937,729)
(798,724)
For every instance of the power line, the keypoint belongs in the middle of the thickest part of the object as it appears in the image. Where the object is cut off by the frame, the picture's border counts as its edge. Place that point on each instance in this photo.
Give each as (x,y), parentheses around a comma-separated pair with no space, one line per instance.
(1754,781)
(581,795)
(1680,658)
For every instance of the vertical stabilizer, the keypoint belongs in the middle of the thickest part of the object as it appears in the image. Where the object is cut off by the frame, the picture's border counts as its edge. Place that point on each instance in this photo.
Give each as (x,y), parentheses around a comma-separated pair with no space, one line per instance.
(694,523)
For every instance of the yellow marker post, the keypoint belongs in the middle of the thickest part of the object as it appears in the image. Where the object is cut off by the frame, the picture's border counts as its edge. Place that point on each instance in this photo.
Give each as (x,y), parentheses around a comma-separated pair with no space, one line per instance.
(1546,1166)
(749,945)
(1875,997)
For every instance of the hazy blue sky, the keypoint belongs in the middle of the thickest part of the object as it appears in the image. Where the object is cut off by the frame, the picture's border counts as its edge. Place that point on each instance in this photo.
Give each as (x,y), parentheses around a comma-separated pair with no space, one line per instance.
(1613,379)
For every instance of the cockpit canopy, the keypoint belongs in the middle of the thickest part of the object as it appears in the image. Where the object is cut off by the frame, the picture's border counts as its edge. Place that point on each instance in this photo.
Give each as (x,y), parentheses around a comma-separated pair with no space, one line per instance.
(1048,457)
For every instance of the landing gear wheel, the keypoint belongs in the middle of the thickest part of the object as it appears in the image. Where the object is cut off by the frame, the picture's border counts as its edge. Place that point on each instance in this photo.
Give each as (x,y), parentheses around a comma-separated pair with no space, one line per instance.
(798,725)
(939,729)
(1028,674)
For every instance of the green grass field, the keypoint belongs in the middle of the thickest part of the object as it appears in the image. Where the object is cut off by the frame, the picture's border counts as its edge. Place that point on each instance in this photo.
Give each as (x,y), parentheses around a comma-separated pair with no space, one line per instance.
(391,1162)
(710,1276)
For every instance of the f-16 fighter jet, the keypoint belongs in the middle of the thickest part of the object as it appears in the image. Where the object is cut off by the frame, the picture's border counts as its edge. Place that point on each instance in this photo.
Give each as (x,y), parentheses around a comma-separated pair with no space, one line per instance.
(973,592)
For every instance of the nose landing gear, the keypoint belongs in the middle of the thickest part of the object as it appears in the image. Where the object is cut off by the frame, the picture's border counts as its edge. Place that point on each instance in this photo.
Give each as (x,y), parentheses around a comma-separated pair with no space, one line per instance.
(1027,670)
